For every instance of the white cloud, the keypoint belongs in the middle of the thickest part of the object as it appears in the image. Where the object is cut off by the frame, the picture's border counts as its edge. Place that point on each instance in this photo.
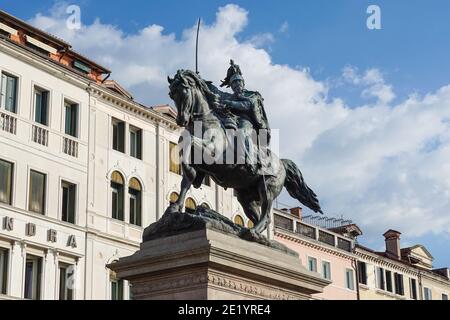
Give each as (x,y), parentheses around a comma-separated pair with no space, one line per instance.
(383,165)
(374,82)
(284,27)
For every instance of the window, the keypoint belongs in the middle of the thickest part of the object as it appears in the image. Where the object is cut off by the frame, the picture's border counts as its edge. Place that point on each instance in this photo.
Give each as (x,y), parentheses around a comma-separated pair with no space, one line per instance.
(8,97)
(41,104)
(136,143)
(444,296)
(71,119)
(312,264)
(66,281)
(349,280)
(190,205)
(37,192)
(4,254)
(389,281)
(117,188)
(135,193)
(6,178)
(399,289)
(362,272)
(69,193)
(427,295)
(116,287)
(239,220)
(118,135)
(326,270)
(207,181)
(205,205)
(413,289)
(173,197)
(174,159)
(250,224)
(380,278)
(33,271)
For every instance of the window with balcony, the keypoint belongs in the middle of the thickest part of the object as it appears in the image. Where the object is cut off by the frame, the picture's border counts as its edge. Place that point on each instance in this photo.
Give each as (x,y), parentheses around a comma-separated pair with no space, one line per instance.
(136,143)
(6,181)
(69,193)
(71,118)
(326,270)
(4,255)
(117,196)
(66,281)
(312,264)
(349,279)
(135,194)
(362,272)
(33,277)
(118,135)
(37,192)
(8,93)
(41,106)
(174,159)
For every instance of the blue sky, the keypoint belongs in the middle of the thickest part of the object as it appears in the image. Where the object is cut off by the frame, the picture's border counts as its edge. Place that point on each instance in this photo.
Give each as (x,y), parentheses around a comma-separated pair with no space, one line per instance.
(370,152)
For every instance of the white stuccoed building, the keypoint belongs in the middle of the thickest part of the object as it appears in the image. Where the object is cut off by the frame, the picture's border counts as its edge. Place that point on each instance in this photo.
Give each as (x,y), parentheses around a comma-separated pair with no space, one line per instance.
(83,170)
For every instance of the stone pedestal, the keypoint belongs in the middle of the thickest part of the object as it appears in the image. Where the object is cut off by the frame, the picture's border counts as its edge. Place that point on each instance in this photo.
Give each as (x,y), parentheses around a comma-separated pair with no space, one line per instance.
(209,264)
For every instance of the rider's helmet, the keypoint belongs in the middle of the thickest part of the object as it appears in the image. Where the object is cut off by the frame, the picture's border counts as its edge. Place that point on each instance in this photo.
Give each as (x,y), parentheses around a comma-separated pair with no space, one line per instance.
(234,73)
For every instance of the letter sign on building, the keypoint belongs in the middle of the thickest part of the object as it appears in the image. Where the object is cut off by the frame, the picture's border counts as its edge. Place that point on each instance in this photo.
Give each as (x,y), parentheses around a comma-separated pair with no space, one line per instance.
(51,237)
(8,224)
(72,242)
(30,229)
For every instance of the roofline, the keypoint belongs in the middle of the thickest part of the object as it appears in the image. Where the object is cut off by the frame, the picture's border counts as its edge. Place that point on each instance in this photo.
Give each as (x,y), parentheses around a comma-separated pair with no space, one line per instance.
(61,44)
(55,40)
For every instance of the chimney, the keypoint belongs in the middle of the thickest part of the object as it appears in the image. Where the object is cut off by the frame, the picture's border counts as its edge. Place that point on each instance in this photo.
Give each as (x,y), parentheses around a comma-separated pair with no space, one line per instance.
(392,239)
(297,212)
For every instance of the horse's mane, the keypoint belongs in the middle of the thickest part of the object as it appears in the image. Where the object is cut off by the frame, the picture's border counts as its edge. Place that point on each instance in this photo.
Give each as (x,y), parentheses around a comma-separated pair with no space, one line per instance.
(188,76)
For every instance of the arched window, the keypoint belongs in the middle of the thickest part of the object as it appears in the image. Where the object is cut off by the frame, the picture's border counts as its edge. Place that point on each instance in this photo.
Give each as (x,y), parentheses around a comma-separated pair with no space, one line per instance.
(190,205)
(205,205)
(173,197)
(135,193)
(250,224)
(239,221)
(117,196)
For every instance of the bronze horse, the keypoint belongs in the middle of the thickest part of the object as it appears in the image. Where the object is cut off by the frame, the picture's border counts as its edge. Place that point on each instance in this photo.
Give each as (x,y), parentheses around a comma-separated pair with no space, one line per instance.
(198,100)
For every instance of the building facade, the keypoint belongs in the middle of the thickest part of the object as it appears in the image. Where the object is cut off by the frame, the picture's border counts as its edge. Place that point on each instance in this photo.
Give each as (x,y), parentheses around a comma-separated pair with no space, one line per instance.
(84,168)
(400,273)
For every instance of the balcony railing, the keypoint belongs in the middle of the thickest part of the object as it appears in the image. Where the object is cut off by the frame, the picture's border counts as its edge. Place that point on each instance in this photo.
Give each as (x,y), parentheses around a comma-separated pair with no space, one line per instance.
(8,123)
(40,135)
(283,222)
(288,223)
(70,147)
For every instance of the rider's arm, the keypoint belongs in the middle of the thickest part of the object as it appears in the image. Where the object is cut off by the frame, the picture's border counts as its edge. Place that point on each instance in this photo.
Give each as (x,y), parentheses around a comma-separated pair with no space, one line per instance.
(244,105)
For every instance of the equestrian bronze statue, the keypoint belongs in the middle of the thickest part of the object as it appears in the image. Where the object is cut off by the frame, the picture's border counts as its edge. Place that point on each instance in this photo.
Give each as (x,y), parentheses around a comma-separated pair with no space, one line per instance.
(227,137)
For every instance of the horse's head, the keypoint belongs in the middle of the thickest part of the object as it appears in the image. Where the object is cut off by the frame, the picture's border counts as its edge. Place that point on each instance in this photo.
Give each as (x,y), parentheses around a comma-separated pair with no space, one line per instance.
(182,92)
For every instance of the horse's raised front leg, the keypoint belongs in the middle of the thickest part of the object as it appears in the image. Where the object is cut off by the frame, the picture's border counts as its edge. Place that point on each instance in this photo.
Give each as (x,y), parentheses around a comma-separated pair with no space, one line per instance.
(189,175)
(266,207)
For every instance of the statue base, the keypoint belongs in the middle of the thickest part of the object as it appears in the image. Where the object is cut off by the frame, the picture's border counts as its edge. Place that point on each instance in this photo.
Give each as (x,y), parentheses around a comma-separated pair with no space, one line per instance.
(201,262)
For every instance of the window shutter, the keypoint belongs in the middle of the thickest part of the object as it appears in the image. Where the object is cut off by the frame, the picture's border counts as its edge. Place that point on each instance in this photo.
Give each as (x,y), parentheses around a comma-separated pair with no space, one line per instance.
(139,144)
(11,94)
(3,92)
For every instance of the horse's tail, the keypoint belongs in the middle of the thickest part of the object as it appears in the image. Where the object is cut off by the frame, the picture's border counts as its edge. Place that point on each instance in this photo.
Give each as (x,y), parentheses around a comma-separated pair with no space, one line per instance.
(297,188)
